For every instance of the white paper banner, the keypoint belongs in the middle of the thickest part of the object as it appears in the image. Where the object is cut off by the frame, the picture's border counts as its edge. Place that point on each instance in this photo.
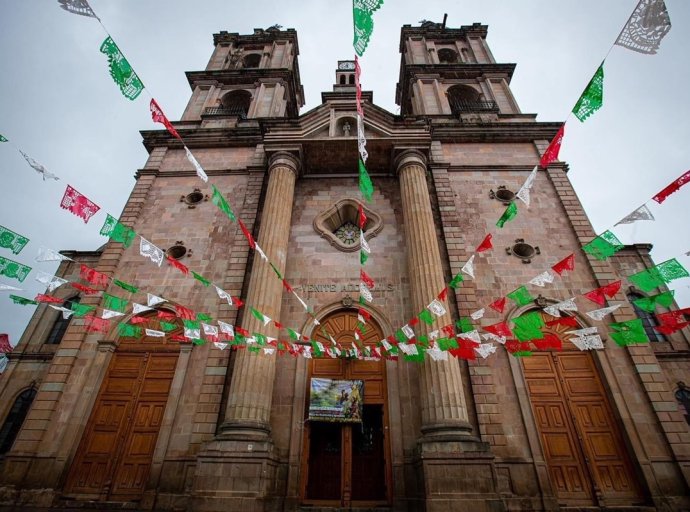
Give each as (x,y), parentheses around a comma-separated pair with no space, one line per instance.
(436,307)
(477,314)
(598,314)
(468,268)
(199,170)
(542,279)
(154,300)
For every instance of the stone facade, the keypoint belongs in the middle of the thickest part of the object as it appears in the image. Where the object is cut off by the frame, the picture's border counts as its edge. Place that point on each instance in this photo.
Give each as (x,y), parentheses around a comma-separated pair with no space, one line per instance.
(460,435)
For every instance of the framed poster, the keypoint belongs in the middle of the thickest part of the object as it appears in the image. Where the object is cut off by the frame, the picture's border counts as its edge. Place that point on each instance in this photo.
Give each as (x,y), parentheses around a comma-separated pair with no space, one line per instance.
(336,400)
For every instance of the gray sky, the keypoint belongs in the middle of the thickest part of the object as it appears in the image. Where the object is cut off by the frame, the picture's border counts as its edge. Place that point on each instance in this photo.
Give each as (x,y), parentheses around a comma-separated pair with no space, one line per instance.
(59,104)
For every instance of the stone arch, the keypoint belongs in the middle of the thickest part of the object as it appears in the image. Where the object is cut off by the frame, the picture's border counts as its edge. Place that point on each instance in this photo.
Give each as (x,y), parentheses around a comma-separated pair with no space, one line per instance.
(463,98)
(237,102)
(15,417)
(252,60)
(447,56)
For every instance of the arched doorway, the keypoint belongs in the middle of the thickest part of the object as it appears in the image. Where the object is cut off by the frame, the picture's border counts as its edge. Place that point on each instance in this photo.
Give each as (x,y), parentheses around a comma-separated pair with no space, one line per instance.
(114,456)
(348,465)
(582,442)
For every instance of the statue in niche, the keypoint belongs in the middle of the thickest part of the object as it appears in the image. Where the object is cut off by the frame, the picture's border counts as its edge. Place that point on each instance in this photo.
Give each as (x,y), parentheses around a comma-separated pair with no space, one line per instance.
(346,129)
(235,59)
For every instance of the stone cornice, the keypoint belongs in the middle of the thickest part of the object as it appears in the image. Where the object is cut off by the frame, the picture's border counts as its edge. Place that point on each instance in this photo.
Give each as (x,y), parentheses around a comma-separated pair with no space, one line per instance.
(496,132)
(437,33)
(259,36)
(186,174)
(204,137)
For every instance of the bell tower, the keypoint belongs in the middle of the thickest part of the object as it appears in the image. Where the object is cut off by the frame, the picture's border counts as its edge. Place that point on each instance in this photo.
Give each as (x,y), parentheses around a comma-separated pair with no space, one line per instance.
(248,77)
(451,71)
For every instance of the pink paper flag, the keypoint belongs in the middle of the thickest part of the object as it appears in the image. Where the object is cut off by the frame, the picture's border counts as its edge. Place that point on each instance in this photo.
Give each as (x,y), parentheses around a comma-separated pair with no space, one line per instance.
(78,204)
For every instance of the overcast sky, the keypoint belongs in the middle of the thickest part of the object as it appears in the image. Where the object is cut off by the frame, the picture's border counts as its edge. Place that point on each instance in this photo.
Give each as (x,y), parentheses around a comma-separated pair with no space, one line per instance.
(59,104)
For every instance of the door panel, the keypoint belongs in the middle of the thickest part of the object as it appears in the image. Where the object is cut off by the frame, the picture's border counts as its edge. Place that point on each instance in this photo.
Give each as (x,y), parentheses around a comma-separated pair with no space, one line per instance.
(368,458)
(115,454)
(325,462)
(558,438)
(582,444)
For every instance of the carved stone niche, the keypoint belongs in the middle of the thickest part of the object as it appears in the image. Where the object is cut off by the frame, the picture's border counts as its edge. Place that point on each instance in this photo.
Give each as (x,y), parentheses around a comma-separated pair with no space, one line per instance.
(339,225)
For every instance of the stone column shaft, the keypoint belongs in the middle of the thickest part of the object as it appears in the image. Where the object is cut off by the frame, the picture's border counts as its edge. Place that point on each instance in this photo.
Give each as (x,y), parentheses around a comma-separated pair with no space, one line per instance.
(251,389)
(444,412)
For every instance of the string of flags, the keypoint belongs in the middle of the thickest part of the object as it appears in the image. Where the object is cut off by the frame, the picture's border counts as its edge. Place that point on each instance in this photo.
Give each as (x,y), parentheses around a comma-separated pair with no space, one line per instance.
(647,26)
(129,83)
(78,204)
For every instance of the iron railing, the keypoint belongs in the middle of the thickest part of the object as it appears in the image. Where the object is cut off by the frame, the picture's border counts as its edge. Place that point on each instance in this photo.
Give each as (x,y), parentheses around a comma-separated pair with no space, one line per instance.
(226,111)
(461,106)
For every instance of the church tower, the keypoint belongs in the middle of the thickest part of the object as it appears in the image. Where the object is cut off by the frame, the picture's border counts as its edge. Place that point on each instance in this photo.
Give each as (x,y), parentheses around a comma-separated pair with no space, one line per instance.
(248,77)
(446,71)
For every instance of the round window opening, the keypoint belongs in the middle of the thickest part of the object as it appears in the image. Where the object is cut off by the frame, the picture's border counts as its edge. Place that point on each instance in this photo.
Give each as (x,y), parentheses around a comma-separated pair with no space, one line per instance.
(504,195)
(177,251)
(194,198)
(523,250)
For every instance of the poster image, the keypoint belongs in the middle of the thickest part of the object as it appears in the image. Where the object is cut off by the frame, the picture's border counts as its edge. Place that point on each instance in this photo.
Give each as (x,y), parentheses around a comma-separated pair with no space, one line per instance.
(336,400)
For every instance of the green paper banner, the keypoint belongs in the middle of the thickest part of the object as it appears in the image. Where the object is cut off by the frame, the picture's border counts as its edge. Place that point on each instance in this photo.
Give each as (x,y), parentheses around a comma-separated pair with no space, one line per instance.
(13,269)
(222,204)
(366,187)
(125,286)
(117,231)
(508,215)
(593,96)
(362,15)
(11,240)
(604,246)
(22,301)
(122,73)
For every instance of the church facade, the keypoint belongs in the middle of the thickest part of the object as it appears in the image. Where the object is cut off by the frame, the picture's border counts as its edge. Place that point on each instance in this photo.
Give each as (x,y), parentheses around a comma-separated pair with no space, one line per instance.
(95,420)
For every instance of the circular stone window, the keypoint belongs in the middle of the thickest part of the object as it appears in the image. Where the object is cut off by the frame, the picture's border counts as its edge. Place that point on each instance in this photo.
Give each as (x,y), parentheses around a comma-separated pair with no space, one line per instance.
(503,194)
(194,198)
(523,250)
(177,251)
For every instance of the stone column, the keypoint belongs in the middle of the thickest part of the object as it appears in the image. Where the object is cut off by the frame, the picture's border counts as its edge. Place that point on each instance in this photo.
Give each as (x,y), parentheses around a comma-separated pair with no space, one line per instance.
(249,402)
(444,412)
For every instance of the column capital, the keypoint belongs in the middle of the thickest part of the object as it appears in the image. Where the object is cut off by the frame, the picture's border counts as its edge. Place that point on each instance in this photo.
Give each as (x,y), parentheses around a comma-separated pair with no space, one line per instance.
(284,159)
(409,157)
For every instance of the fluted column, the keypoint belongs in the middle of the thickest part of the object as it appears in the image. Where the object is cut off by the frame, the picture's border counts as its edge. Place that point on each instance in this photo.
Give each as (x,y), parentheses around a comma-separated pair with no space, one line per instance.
(251,389)
(444,412)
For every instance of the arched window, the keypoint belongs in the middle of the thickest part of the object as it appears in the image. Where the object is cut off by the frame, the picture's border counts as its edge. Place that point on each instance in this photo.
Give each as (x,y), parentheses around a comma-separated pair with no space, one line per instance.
(61,323)
(343,79)
(352,79)
(15,418)
(682,394)
(251,61)
(463,98)
(649,321)
(237,103)
(447,56)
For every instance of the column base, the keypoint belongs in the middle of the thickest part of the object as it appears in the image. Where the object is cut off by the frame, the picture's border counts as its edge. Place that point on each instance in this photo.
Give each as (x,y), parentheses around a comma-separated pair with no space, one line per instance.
(237,474)
(456,474)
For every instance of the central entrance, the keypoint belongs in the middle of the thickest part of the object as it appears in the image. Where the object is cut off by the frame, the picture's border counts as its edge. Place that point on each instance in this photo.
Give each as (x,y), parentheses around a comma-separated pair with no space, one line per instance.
(344,464)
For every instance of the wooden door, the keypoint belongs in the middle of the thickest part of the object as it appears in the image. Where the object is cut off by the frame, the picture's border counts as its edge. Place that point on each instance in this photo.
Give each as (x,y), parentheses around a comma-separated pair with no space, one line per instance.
(583,445)
(115,453)
(347,465)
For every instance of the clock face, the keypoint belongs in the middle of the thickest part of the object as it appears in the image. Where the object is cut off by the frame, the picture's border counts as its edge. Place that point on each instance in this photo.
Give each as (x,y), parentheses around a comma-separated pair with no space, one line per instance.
(346,65)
